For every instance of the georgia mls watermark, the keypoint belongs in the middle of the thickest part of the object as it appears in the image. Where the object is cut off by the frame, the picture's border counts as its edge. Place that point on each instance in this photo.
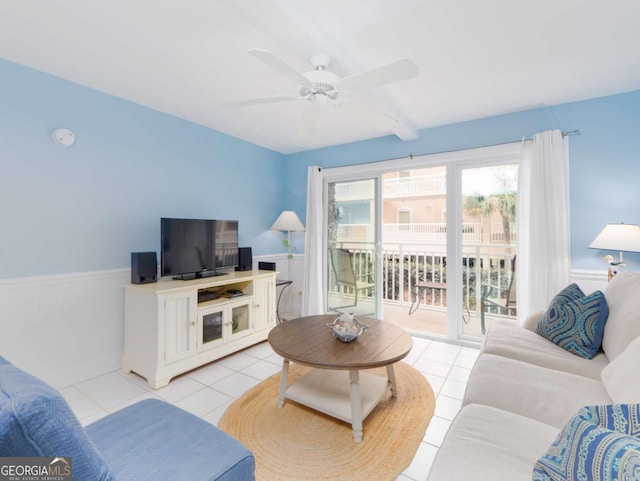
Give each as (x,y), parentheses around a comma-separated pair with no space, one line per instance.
(35,469)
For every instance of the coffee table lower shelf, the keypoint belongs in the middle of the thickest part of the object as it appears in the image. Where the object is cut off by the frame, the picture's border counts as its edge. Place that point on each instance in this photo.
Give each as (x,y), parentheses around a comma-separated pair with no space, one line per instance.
(346,395)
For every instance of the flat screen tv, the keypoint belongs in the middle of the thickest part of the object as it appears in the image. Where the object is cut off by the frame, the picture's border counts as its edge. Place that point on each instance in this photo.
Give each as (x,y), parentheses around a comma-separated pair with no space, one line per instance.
(192,248)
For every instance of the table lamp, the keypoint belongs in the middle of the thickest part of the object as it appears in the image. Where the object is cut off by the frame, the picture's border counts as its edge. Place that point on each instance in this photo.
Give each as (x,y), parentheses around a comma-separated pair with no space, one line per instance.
(288,221)
(618,237)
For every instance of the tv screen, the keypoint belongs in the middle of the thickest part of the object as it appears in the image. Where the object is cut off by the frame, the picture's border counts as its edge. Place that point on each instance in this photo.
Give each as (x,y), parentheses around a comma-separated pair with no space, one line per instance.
(193,248)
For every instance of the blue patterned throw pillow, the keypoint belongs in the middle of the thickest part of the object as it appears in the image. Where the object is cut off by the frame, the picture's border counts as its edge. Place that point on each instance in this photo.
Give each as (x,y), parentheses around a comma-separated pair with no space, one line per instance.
(575,322)
(568,294)
(600,443)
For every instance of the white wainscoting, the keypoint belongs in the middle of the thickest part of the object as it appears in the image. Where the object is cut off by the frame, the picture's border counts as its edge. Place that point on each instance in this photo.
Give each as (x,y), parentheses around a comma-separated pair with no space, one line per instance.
(64,328)
(590,281)
(68,328)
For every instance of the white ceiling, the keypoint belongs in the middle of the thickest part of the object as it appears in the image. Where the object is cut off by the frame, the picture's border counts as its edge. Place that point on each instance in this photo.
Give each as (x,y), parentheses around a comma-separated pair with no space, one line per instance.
(185,57)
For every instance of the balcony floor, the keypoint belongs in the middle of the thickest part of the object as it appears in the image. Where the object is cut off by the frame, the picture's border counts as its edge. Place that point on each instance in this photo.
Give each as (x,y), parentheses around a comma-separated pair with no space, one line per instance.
(426,319)
(431,320)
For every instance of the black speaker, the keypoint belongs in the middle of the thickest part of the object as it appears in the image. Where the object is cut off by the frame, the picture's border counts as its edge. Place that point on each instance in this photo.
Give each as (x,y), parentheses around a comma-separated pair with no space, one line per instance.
(266,266)
(144,267)
(245,259)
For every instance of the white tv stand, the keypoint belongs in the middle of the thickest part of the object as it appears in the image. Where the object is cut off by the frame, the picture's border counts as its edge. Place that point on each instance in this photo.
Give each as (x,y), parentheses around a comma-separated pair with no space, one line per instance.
(167,331)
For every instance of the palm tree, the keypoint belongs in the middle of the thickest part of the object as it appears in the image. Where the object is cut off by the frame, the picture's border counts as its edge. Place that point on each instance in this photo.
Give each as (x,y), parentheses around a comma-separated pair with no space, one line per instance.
(505,204)
(334,213)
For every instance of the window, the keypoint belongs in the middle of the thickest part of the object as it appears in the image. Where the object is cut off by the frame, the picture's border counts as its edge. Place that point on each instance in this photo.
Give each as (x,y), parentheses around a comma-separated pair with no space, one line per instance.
(404,219)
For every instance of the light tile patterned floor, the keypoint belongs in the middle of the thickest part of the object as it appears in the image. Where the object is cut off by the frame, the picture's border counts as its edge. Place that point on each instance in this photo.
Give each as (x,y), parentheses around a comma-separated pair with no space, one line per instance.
(208,391)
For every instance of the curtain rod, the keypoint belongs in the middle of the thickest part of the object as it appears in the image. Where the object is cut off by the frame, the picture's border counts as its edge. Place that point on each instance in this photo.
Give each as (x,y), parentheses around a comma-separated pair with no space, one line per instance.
(411,156)
(568,133)
(571,132)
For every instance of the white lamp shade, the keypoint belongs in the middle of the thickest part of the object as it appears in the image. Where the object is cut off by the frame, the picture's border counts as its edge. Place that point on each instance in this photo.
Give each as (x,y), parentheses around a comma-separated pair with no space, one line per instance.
(618,237)
(288,221)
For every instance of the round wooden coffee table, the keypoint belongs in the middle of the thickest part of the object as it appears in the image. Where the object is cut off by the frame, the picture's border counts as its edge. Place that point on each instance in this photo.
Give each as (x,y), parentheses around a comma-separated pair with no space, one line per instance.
(336,386)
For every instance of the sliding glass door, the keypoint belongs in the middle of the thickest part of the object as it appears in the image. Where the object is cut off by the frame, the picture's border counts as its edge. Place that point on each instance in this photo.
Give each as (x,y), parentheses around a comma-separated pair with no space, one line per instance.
(427,243)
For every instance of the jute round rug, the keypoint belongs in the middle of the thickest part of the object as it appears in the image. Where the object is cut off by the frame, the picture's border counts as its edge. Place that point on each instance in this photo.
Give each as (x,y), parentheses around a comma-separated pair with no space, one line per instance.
(298,443)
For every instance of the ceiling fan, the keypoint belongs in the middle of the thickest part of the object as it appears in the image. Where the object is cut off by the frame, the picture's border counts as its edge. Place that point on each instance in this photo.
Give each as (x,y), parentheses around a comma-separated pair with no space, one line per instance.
(322,88)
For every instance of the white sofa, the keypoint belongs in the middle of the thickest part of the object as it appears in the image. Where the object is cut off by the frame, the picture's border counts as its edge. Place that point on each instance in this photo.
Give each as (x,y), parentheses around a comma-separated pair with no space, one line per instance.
(523,389)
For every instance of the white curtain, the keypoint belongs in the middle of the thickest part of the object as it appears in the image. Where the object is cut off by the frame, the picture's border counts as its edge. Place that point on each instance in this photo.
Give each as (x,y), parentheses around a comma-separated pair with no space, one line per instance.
(313,292)
(544,258)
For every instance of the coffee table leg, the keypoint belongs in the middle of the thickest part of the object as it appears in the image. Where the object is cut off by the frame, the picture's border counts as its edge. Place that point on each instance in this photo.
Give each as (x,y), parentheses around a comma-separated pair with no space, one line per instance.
(391,375)
(283,382)
(356,405)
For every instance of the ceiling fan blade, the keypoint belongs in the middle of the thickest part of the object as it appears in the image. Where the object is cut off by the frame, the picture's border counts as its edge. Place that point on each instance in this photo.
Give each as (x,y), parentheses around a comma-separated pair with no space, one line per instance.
(263,100)
(309,122)
(393,72)
(377,119)
(278,64)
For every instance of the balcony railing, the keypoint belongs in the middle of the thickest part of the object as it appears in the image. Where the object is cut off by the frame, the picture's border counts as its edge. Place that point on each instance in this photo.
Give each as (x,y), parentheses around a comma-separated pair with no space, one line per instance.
(472,232)
(358,190)
(414,232)
(431,231)
(355,233)
(415,186)
(497,233)
(418,185)
(403,268)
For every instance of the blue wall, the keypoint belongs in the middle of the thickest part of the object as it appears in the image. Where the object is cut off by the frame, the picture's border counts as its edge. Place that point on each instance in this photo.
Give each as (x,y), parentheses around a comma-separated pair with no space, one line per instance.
(89,206)
(605,161)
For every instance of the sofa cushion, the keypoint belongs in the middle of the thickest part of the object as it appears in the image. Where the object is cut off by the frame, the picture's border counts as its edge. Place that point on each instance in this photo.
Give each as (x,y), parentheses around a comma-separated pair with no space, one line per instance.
(600,443)
(508,339)
(576,325)
(35,420)
(621,375)
(548,396)
(487,444)
(530,322)
(153,440)
(623,325)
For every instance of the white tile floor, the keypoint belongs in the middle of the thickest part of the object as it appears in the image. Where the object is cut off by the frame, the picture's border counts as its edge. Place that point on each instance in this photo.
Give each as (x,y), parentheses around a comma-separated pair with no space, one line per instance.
(208,391)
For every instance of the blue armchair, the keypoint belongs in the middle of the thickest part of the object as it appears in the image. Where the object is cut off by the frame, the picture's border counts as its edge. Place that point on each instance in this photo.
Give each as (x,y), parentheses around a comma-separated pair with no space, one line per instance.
(149,440)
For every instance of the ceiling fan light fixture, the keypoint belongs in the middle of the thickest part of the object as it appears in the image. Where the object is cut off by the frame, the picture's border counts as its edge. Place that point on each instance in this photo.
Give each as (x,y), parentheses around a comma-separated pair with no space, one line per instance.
(321,87)
(319,100)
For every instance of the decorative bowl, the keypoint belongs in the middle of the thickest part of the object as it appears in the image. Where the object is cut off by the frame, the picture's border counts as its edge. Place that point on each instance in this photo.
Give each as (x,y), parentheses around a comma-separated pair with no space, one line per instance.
(347,328)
